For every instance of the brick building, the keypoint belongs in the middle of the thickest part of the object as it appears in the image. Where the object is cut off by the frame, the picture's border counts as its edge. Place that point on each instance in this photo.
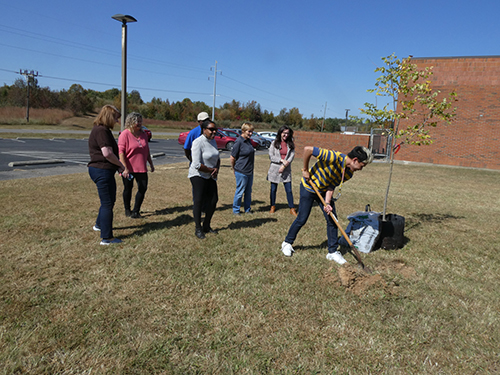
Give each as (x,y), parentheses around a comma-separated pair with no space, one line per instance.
(473,138)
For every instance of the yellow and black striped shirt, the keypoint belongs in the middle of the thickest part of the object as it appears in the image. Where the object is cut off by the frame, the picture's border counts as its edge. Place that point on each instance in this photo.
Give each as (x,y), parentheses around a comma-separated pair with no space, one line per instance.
(327,171)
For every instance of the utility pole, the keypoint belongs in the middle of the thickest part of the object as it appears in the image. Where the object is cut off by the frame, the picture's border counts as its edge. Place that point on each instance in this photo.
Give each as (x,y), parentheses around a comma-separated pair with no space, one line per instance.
(346,113)
(215,86)
(324,115)
(28,74)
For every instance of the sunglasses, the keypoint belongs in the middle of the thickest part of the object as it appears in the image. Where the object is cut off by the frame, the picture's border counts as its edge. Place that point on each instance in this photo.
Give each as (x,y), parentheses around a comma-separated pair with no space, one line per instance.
(212,129)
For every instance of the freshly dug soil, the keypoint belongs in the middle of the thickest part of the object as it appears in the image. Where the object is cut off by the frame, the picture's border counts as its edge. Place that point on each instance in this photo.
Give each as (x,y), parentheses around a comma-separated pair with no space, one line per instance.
(355,280)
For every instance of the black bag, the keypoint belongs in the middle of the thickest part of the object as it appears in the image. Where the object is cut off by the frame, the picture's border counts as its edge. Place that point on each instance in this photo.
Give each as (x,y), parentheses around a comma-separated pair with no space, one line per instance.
(392,232)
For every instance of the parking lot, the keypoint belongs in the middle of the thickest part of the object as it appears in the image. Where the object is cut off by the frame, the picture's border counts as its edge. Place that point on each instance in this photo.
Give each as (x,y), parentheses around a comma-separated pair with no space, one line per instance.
(33,157)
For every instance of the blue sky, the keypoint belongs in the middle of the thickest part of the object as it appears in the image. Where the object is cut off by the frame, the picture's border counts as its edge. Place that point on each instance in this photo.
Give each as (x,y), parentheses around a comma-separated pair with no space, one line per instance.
(282,54)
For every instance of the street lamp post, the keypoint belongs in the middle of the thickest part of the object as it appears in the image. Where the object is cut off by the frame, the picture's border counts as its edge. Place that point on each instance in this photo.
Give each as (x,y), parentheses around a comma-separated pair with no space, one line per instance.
(124,19)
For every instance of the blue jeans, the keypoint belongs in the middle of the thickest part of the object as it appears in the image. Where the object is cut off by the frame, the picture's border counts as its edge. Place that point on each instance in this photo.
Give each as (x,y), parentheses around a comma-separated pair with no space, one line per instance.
(307,200)
(106,187)
(288,190)
(243,191)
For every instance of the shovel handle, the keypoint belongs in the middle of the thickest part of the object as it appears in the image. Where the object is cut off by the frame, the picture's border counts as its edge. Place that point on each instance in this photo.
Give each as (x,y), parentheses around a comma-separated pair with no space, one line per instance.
(353,248)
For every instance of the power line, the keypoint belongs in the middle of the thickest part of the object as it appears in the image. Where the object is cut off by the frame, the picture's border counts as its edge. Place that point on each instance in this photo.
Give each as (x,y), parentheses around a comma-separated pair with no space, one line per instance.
(145,88)
(112,84)
(53,54)
(93,48)
(132,87)
(256,88)
(268,92)
(132,57)
(55,40)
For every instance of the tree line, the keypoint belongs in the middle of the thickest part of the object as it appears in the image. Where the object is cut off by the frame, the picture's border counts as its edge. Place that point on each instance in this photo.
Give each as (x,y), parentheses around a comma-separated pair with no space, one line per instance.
(82,101)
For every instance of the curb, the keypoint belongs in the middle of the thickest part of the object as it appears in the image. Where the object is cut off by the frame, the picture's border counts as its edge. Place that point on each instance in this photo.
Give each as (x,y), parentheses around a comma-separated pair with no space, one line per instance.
(35,162)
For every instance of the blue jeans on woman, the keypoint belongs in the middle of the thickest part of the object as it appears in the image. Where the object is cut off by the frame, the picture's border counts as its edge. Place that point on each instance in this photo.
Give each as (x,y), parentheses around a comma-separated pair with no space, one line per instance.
(244,184)
(288,190)
(307,200)
(106,187)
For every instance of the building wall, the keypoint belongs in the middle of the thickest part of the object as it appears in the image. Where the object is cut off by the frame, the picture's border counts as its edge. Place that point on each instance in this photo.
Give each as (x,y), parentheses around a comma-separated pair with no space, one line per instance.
(473,137)
(332,141)
(471,140)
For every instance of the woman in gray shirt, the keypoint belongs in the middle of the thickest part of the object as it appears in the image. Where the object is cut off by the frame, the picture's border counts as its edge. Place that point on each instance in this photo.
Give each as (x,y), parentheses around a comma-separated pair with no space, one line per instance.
(203,173)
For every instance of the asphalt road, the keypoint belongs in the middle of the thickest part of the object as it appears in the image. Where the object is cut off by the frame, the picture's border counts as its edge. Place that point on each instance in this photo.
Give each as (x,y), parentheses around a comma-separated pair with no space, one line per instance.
(66,156)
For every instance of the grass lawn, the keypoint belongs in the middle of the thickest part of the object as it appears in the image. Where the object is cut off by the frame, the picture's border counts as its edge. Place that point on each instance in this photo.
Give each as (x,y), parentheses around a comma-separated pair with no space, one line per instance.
(166,302)
(82,124)
(57,120)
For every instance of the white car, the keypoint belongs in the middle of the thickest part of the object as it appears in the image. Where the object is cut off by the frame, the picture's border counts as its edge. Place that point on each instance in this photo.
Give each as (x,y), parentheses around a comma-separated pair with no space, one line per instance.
(270,136)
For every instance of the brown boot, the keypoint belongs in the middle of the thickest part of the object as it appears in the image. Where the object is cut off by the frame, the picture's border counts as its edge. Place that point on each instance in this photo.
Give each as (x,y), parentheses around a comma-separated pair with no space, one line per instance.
(272,210)
(293,212)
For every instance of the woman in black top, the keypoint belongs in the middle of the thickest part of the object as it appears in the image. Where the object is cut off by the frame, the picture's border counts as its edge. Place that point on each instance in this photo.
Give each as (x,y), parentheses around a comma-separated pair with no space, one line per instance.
(104,163)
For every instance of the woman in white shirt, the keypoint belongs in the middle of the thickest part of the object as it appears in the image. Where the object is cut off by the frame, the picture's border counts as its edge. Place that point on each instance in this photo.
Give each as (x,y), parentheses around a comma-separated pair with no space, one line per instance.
(203,173)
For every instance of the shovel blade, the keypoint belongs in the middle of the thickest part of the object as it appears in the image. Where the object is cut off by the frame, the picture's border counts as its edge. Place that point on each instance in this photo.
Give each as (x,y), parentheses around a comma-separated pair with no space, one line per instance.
(355,252)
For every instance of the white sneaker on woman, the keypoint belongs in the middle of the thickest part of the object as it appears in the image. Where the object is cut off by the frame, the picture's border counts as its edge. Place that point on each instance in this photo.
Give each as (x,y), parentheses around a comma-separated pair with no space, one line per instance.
(287,249)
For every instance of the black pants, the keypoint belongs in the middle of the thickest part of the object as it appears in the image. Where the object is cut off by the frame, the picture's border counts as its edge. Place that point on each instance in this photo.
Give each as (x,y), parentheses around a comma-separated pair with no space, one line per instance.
(142,186)
(205,196)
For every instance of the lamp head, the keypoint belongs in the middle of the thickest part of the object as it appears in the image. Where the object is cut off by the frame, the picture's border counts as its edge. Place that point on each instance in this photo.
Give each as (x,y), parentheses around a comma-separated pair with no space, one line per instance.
(124,18)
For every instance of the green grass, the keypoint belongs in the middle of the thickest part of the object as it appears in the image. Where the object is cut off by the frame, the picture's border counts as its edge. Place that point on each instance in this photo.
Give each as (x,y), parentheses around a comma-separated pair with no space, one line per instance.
(166,302)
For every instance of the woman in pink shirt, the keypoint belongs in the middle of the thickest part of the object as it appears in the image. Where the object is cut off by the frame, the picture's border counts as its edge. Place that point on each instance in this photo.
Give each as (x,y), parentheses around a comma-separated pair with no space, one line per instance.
(133,149)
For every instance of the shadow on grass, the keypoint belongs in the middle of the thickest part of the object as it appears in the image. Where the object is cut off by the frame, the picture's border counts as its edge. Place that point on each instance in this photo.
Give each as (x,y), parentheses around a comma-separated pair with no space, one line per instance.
(244,223)
(279,206)
(224,207)
(323,245)
(150,227)
(141,227)
(417,219)
(169,210)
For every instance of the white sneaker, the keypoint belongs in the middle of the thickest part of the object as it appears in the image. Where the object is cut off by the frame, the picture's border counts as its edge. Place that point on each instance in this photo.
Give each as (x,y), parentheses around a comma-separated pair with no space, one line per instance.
(287,249)
(337,257)
(96,228)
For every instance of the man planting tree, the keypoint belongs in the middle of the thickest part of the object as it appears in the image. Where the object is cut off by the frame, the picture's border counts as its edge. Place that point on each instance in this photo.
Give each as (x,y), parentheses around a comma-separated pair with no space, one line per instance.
(331,169)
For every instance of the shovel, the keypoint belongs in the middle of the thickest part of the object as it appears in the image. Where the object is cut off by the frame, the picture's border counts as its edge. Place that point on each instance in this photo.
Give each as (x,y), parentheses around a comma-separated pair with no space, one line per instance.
(353,249)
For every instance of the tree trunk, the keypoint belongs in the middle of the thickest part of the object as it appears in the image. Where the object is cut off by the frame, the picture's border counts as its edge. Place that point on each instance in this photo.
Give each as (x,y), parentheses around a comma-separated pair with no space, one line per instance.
(391,162)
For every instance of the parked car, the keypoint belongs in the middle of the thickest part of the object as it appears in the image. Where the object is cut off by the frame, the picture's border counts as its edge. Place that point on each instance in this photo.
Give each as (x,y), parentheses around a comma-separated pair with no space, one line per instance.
(237,132)
(230,132)
(263,141)
(224,142)
(270,136)
(148,132)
